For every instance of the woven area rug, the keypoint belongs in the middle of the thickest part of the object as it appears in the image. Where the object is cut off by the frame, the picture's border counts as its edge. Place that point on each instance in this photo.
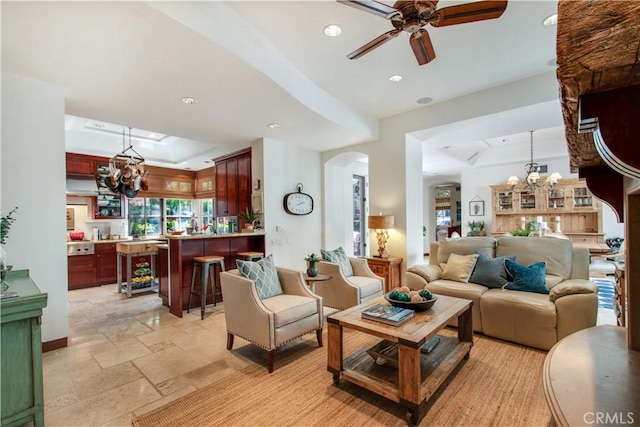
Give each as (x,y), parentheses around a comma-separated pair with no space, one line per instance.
(500,385)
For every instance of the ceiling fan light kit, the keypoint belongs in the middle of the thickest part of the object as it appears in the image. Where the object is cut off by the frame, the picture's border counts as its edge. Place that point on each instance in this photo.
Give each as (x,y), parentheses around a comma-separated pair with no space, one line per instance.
(411,16)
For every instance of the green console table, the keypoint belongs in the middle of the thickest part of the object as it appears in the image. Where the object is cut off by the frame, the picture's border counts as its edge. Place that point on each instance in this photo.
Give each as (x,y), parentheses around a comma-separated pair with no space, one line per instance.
(21,368)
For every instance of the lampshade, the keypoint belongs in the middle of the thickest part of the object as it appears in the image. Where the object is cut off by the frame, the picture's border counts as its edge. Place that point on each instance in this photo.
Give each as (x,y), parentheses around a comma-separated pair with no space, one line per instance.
(380,222)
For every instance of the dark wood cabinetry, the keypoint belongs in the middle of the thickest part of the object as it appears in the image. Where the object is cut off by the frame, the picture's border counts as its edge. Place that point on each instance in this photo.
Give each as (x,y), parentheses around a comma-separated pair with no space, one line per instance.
(78,164)
(106,263)
(387,268)
(82,271)
(233,183)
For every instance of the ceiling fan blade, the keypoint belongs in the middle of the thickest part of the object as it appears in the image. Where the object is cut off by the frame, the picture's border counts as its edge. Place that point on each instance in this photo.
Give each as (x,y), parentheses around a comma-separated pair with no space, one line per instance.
(373,7)
(468,12)
(422,48)
(378,41)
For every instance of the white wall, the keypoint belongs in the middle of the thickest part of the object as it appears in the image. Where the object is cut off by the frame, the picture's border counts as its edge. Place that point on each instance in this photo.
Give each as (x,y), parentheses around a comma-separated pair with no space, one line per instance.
(289,237)
(33,178)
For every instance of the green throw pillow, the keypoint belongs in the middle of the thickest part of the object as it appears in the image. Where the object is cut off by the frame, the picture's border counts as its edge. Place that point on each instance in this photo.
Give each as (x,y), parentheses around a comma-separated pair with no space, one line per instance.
(265,275)
(490,272)
(339,256)
(527,279)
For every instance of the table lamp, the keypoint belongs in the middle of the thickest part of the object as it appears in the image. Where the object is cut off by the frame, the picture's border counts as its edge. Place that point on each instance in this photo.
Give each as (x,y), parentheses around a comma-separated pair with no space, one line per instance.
(381,224)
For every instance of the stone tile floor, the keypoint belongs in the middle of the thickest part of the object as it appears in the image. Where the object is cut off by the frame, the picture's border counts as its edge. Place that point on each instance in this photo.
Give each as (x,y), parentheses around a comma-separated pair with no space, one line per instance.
(129,356)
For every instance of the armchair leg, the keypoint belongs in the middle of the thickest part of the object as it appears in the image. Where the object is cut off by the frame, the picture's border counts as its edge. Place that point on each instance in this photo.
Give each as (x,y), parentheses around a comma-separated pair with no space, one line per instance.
(229,341)
(270,356)
(319,336)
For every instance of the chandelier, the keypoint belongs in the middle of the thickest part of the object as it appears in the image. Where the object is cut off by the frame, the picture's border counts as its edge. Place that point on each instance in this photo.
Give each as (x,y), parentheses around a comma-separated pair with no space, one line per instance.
(532,179)
(127,174)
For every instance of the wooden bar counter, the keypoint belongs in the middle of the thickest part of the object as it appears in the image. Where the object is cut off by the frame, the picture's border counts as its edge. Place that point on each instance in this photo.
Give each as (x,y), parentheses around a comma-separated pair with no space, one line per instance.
(182,250)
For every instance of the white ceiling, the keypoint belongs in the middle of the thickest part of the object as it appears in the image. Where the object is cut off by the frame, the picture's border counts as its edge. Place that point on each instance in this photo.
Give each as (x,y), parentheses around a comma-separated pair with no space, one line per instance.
(252,63)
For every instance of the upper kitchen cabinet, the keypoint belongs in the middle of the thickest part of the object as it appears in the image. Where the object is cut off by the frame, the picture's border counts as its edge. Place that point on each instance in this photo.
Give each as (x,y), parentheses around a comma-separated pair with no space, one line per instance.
(206,183)
(233,182)
(79,164)
(170,183)
(108,205)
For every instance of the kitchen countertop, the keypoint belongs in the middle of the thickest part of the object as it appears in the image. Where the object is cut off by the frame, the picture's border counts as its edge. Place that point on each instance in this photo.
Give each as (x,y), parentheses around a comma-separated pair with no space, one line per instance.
(214,236)
(131,240)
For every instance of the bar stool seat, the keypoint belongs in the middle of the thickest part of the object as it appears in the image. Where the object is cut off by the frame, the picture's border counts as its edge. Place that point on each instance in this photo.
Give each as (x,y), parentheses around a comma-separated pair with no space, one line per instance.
(205,263)
(250,256)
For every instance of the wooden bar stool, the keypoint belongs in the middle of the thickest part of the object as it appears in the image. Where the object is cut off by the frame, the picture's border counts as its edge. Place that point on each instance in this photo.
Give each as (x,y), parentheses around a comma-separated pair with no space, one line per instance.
(250,256)
(205,263)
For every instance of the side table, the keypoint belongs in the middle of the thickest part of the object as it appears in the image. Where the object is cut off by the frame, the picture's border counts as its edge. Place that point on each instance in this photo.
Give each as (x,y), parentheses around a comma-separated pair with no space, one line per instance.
(388,268)
(317,278)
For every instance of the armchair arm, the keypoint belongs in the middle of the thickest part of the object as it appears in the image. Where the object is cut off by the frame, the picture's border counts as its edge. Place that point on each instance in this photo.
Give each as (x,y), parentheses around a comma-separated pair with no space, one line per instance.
(244,312)
(361,267)
(572,287)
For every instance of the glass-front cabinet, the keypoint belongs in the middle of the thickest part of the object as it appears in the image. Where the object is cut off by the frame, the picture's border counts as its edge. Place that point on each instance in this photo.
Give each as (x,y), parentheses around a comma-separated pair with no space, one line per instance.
(527,200)
(504,201)
(555,199)
(582,197)
(108,205)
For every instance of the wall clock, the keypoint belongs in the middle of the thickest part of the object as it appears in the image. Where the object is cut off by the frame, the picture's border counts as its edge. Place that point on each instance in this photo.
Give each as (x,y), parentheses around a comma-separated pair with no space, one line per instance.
(298,203)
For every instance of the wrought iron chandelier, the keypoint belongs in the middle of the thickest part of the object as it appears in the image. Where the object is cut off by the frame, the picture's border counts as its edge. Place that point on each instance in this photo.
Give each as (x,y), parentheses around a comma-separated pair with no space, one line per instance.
(532,179)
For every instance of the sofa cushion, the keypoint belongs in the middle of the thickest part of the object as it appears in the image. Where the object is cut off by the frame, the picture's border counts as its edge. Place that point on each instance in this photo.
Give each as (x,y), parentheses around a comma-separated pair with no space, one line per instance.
(557,253)
(459,267)
(265,275)
(490,272)
(552,280)
(290,308)
(466,246)
(526,278)
(461,290)
(339,256)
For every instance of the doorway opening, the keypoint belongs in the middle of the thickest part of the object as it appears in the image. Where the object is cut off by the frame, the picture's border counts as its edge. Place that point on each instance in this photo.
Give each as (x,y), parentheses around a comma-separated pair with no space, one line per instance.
(359,215)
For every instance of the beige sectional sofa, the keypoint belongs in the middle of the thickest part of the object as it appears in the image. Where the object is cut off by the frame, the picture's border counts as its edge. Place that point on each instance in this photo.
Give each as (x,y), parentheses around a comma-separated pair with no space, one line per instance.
(533,319)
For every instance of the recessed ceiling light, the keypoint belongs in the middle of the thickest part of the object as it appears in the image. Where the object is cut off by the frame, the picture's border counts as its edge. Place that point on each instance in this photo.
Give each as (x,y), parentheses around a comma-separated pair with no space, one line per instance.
(395,78)
(189,100)
(332,30)
(273,125)
(424,100)
(551,20)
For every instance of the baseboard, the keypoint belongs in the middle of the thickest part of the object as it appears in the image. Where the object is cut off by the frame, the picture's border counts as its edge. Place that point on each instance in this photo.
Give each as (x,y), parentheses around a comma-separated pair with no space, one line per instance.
(54,345)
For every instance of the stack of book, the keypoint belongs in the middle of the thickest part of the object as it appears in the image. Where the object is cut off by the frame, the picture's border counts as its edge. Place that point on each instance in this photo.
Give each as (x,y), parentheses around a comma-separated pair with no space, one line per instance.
(388,314)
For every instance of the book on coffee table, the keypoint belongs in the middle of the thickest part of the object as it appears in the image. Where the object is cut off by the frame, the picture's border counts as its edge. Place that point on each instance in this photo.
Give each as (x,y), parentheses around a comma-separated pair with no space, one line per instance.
(388,314)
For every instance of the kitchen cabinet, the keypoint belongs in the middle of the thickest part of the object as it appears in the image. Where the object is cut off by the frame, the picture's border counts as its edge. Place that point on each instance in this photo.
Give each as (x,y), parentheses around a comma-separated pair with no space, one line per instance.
(233,183)
(106,263)
(108,205)
(571,203)
(81,271)
(21,394)
(162,271)
(79,164)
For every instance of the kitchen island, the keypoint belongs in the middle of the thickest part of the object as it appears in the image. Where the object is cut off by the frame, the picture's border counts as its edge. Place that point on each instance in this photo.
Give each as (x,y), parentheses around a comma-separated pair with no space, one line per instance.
(182,250)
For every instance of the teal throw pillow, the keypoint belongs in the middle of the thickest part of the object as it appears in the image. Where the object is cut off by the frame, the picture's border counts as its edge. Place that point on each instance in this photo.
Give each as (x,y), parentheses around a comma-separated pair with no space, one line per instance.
(527,279)
(490,272)
(339,256)
(265,275)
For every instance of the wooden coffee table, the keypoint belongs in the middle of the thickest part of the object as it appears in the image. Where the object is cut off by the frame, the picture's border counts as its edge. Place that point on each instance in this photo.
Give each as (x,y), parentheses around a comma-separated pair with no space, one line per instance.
(418,375)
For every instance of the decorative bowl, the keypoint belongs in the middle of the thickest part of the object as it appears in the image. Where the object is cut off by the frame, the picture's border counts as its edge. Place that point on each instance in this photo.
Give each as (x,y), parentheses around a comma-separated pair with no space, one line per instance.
(76,235)
(417,306)
(176,233)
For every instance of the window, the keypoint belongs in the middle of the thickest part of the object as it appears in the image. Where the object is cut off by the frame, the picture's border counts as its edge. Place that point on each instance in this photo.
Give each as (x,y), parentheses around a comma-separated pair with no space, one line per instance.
(443,206)
(145,216)
(208,214)
(178,213)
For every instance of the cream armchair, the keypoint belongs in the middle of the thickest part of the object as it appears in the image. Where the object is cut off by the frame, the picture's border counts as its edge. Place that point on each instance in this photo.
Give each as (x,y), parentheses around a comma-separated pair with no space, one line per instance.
(343,292)
(271,322)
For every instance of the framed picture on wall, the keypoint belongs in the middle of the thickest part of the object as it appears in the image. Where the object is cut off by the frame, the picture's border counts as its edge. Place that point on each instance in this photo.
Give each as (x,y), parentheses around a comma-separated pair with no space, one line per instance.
(476,208)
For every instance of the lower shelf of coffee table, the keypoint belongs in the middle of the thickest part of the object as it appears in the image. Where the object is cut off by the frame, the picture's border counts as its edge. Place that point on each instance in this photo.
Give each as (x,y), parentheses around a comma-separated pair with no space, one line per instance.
(361,369)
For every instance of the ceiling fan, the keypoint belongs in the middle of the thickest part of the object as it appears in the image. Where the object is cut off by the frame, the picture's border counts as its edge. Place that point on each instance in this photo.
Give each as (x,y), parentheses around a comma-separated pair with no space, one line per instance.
(412,15)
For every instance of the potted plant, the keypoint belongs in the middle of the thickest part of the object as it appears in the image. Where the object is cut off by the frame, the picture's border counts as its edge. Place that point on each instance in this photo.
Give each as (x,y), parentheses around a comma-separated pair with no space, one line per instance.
(480,225)
(474,228)
(249,216)
(5,225)
(312,270)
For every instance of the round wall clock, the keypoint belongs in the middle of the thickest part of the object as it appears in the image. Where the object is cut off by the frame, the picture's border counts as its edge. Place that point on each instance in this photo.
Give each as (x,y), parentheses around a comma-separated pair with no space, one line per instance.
(298,203)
